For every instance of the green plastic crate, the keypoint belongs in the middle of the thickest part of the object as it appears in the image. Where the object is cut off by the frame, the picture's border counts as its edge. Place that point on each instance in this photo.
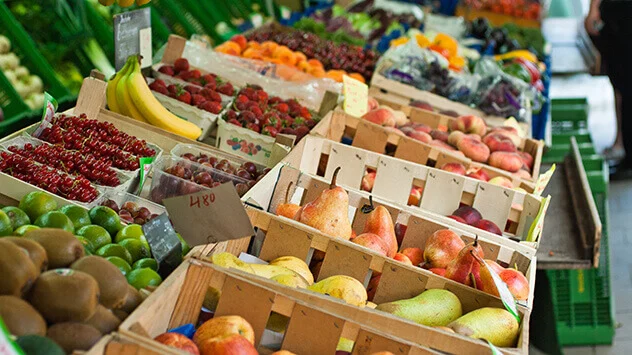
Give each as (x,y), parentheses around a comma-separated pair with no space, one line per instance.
(180,21)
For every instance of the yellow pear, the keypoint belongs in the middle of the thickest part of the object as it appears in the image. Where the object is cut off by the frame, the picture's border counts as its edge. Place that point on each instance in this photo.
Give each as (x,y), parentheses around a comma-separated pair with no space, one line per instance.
(291,280)
(295,264)
(496,325)
(432,307)
(269,271)
(228,261)
(343,287)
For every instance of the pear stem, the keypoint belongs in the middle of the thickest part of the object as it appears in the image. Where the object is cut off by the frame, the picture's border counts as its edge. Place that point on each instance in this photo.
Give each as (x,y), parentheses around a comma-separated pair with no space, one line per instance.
(287,192)
(333,178)
(368,208)
(476,241)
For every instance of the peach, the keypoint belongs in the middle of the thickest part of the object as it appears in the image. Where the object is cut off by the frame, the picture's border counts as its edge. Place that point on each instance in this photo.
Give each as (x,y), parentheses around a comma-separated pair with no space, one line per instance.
(469,214)
(474,136)
(499,143)
(373,242)
(421,127)
(443,145)
(501,181)
(382,116)
(455,137)
(522,174)
(455,168)
(420,136)
(439,135)
(367,181)
(450,113)
(416,255)
(505,160)
(400,117)
(403,258)
(508,132)
(489,226)
(527,159)
(415,196)
(372,104)
(422,105)
(469,124)
(474,149)
(478,174)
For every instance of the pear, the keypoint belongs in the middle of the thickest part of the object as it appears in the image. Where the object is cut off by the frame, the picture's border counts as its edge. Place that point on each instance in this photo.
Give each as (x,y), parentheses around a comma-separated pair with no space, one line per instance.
(441,248)
(228,260)
(343,287)
(295,264)
(380,222)
(287,209)
(495,325)
(329,212)
(434,307)
(460,269)
(292,280)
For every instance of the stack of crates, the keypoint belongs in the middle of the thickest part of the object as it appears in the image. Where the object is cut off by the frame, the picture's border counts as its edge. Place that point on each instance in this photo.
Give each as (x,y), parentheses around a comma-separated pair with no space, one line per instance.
(582,299)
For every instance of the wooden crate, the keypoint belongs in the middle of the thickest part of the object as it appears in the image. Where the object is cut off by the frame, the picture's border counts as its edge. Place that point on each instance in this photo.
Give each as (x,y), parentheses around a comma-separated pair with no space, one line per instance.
(316,321)
(340,126)
(443,192)
(417,228)
(116,343)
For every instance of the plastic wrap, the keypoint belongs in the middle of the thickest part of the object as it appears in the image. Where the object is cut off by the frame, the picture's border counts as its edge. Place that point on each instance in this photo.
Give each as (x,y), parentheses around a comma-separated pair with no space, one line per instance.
(239,71)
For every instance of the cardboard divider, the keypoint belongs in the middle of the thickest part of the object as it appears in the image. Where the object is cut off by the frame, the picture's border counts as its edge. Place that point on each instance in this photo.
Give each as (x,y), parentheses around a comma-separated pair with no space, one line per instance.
(339,126)
(442,192)
(316,322)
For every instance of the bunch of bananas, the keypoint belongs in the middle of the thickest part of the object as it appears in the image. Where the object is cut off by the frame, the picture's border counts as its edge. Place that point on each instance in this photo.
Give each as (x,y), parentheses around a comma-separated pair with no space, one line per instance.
(128,94)
(123,3)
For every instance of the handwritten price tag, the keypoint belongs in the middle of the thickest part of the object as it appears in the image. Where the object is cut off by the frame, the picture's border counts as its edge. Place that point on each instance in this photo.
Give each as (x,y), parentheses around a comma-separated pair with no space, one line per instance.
(145,47)
(209,216)
(543,180)
(538,224)
(356,96)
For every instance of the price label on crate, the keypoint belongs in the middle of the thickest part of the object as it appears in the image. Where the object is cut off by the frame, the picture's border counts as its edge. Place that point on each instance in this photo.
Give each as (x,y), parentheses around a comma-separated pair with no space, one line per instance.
(356,95)
(538,223)
(542,181)
(132,35)
(164,243)
(210,216)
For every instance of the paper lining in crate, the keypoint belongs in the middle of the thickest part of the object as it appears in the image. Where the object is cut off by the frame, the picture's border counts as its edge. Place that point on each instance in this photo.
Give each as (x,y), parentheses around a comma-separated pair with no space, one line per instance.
(125,179)
(513,211)
(340,127)
(414,229)
(317,322)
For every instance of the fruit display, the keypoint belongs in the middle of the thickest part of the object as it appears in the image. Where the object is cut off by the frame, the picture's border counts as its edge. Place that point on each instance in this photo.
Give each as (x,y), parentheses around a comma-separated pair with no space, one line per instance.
(339,57)
(204,99)
(29,87)
(442,44)
(527,9)
(255,110)
(129,94)
(182,70)
(72,275)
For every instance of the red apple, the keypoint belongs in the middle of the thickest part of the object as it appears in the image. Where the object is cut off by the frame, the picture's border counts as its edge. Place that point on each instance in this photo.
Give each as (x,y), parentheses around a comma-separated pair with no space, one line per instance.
(416,255)
(179,341)
(234,344)
(223,327)
(488,226)
(516,282)
(457,218)
(469,214)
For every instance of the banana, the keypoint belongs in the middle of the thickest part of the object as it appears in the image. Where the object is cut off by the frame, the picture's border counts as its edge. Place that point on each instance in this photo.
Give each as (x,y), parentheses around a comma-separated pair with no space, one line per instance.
(110,92)
(122,94)
(125,3)
(153,111)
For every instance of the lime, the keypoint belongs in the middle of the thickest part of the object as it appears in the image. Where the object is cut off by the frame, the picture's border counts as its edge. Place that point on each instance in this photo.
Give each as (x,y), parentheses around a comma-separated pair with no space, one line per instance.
(17,216)
(55,219)
(130,231)
(106,218)
(78,215)
(25,229)
(141,278)
(97,235)
(136,248)
(184,244)
(87,245)
(120,263)
(115,250)
(37,203)
(146,263)
(5,224)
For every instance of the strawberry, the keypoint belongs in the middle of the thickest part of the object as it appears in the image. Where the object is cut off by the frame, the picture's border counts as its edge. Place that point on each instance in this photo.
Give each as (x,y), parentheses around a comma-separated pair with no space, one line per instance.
(172,88)
(242,98)
(230,114)
(270,131)
(192,89)
(181,65)
(160,82)
(162,90)
(282,107)
(271,119)
(298,121)
(257,111)
(247,116)
(240,106)
(252,104)
(305,113)
(253,127)
(197,99)
(184,96)
(155,85)
(235,122)
(262,96)
(301,132)
(226,89)
(249,93)
(195,74)
(214,96)
(210,85)
(167,69)
(212,107)
(208,78)
(274,100)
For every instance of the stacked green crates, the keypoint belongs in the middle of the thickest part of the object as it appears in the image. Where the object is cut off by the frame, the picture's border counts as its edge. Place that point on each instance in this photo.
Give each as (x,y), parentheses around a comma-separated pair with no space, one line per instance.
(582,299)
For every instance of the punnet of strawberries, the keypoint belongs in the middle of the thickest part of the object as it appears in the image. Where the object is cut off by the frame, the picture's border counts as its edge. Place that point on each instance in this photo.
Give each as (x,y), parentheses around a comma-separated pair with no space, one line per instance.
(203,98)
(183,71)
(255,110)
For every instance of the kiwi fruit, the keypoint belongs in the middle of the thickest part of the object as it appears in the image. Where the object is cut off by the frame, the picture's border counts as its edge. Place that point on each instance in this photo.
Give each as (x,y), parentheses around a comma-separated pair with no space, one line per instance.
(104,320)
(120,314)
(65,295)
(61,246)
(132,299)
(37,253)
(112,283)
(16,269)
(73,336)
(39,345)
(20,317)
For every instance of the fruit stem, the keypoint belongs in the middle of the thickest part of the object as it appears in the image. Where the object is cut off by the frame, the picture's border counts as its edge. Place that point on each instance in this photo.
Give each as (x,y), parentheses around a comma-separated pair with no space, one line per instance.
(333,178)
(287,192)
(368,208)
(476,241)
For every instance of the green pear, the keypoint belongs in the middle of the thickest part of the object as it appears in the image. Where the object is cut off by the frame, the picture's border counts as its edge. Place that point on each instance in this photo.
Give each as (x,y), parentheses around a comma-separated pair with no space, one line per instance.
(496,325)
(435,307)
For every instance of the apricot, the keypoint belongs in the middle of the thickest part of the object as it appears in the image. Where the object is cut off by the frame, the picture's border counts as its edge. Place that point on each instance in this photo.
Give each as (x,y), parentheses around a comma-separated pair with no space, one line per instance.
(474,149)
(253,45)
(252,53)
(357,77)
(300,57)
(506,160)
(240,40)
(315,63)
(269,47)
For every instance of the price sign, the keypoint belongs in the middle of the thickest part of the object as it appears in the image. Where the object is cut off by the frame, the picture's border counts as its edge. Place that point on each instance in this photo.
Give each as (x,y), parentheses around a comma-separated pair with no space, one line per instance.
(132,35)
(164,244)
(542,181)
(50,107)
(538,224)
(210,216)
(356,95)
(145,168)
